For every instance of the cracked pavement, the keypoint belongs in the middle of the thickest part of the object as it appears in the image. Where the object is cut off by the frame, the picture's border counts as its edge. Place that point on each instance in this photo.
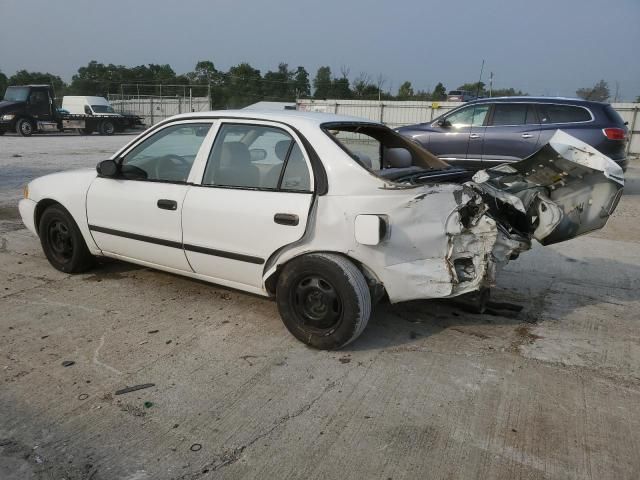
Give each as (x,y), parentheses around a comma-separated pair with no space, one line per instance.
(428,391)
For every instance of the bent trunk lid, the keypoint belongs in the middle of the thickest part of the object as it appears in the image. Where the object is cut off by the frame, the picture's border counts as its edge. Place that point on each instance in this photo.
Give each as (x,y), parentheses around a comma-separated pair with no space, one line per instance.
(565,189)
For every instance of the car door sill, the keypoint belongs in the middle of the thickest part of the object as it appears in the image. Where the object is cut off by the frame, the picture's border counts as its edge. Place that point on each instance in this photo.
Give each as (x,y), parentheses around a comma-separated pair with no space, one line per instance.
(173,244)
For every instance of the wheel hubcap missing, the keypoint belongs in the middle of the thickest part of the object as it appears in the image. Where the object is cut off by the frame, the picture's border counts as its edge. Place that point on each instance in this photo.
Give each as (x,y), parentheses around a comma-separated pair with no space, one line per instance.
(60,241)
(317,303)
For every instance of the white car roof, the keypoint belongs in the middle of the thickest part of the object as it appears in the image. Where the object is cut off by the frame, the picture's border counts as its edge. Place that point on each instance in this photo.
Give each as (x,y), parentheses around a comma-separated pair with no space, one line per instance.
(291,117)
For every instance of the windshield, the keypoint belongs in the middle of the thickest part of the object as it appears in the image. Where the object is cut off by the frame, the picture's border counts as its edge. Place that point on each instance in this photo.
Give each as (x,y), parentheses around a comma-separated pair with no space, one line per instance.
(102,109)
(382,151)
(16,94)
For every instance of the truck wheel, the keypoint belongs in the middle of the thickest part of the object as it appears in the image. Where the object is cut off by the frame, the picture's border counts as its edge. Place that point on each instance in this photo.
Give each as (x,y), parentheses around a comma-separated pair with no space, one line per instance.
(24,127)
(324,300)
(62,241)
(85,131)
(107,127)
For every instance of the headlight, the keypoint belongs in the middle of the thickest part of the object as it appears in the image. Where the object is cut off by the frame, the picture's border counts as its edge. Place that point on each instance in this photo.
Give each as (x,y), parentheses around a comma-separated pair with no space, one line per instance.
(25,191)
(8,117)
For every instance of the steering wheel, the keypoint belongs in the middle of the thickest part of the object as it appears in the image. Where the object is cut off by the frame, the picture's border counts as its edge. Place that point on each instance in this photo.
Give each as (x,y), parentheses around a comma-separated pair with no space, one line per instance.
(171,161)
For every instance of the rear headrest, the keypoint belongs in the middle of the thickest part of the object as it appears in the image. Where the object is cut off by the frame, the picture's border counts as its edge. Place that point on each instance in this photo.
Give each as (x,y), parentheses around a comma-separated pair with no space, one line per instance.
(234,153)
(282,147)
(397,158)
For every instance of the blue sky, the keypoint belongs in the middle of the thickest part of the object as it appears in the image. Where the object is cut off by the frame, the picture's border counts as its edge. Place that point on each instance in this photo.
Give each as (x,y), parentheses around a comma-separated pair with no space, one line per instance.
(542,47)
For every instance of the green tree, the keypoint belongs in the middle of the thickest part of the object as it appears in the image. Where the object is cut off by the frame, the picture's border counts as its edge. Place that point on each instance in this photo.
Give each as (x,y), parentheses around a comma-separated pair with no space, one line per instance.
(204,73)
(638,99)
(405,92)
(599,92)
(439,92)
(301,83)
(3,83)
(322,83)
(24,77)
(278,85)
(243,86)
(476,88)
(507,92)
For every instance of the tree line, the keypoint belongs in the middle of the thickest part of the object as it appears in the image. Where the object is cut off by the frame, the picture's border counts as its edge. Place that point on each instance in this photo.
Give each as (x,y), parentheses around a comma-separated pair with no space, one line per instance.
(243,84)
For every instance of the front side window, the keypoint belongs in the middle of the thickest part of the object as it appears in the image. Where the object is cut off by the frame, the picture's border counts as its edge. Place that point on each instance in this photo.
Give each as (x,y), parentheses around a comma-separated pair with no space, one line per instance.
(472,115)
(513,114)
(168,155)
(37,97)
(256,156)
(563,114)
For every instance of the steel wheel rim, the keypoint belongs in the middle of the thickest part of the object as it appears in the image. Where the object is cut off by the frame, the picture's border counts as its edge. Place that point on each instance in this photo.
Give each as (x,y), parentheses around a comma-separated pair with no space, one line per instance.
(317,303)
(25,127)
(60,241)
(109,128)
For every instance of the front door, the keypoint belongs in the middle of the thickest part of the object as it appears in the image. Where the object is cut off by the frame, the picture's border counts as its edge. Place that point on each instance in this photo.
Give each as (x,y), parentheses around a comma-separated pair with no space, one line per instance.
(253,199)
(39,104)
(459,136)
(137,215)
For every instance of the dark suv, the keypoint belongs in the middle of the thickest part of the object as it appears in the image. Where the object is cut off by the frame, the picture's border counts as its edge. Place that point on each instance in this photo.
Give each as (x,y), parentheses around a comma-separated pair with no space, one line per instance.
(490,131)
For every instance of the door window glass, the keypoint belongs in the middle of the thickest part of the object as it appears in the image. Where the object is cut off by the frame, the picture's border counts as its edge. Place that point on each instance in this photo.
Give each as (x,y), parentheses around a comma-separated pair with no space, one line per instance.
(472,115)
(509,114)
(253,156)
(168,155)
(38,97)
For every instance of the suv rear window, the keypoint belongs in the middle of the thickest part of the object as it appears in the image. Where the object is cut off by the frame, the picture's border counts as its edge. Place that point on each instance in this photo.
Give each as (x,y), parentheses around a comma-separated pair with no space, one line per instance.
(513,114)
(563,114)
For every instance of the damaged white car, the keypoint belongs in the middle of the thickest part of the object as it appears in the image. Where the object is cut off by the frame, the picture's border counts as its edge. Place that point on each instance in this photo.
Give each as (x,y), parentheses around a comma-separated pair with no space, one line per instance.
(327,214)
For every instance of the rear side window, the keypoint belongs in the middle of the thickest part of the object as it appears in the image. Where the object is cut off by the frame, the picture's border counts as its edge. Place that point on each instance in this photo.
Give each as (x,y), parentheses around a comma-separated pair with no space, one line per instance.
(256,156)
(563,114)
(513,114)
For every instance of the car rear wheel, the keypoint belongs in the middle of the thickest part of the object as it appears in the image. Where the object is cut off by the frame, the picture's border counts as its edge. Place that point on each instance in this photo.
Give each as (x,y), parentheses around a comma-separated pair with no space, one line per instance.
(107,127)
(62,241)
(24,127)
(324,300)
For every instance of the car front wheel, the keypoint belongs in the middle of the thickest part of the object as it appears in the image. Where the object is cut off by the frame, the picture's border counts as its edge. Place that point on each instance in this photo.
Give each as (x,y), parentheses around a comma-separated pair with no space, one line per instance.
(62,241)
(324,300)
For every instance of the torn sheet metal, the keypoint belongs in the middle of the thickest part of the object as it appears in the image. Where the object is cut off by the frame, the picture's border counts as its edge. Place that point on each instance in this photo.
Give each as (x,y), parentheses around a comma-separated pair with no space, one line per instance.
(566,189)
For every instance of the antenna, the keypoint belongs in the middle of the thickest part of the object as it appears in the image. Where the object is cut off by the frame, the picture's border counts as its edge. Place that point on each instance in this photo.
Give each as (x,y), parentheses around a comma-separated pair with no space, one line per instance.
(480,79)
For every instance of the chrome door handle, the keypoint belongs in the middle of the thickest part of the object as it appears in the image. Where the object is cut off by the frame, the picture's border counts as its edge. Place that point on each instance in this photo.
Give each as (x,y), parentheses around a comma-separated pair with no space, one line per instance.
(475,135)
(526,135)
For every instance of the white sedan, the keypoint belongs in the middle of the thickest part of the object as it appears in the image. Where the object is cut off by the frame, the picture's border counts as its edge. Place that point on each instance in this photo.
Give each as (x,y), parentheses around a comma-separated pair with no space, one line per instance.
(328,214)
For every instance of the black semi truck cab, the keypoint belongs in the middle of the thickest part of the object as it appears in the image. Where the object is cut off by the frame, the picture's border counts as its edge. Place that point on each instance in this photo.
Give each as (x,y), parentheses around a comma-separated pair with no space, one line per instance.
(28,109)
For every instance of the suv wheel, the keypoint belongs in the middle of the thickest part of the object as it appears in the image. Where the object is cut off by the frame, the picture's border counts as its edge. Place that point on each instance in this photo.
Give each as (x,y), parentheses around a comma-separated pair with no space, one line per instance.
(324,300)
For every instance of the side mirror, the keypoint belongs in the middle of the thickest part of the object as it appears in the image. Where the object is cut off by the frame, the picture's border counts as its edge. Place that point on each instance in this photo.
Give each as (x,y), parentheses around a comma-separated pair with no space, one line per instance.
(444,123)
(107,168)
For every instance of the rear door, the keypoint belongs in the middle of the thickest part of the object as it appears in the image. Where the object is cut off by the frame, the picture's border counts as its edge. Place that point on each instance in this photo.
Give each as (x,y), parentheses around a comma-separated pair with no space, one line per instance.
(253,199)
(459,136)
(511,134)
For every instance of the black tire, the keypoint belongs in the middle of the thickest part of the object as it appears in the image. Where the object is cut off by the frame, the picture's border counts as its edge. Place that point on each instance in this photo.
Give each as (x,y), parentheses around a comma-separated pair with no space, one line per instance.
(85,131)
(62,241)
(24,127)
(107,127)
(324,300)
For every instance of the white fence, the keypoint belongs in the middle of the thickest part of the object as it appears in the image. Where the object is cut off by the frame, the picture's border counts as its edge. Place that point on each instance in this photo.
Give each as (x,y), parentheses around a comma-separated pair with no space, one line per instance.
(153,109)
(396,113)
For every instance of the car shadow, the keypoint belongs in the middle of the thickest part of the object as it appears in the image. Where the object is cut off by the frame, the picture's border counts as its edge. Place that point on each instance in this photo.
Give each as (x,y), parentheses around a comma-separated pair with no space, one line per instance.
(548,290)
